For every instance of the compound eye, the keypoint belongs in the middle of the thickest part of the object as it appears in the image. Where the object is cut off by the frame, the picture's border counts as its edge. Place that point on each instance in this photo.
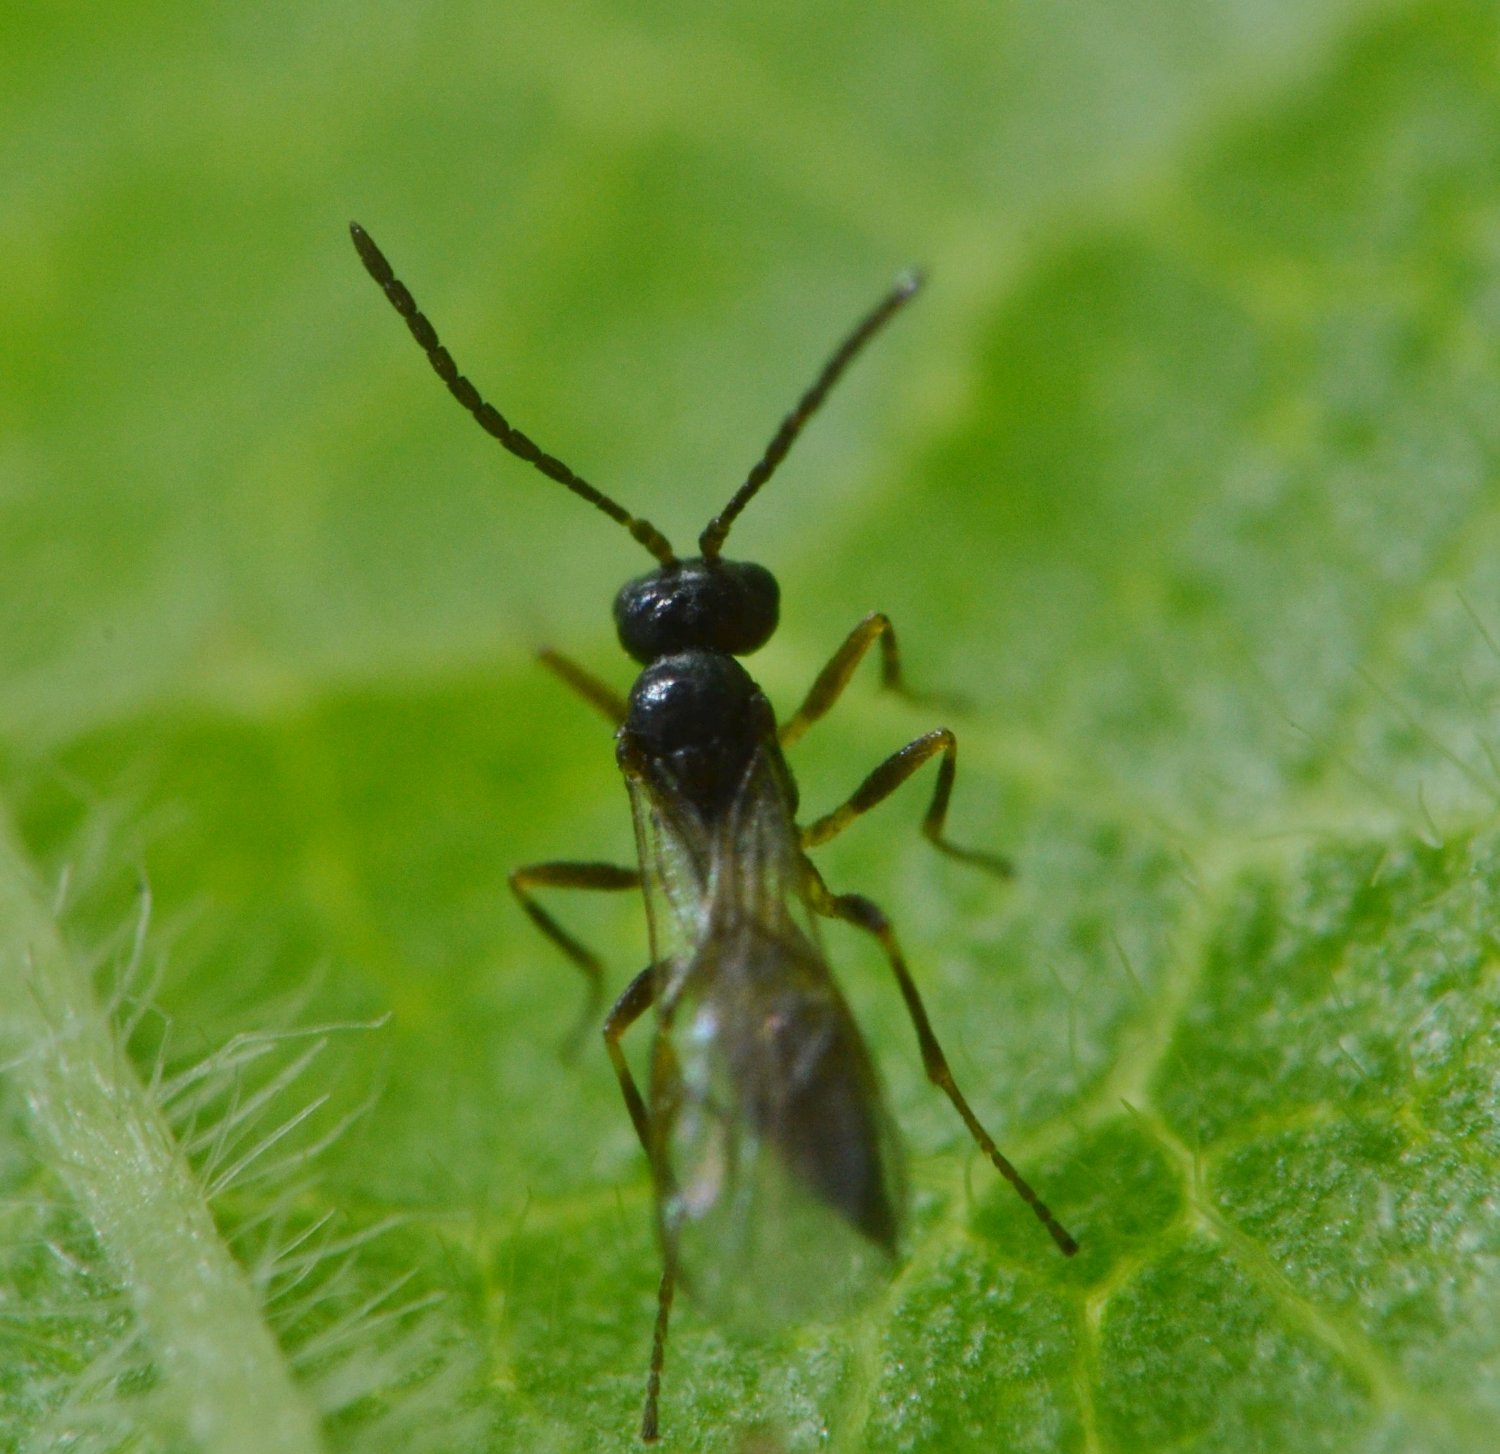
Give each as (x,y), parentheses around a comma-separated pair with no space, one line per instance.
(751,616)
(698,605)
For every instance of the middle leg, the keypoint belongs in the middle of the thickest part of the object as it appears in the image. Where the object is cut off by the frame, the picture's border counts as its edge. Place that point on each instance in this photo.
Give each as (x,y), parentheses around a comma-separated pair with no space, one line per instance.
(607,877)
(888,777)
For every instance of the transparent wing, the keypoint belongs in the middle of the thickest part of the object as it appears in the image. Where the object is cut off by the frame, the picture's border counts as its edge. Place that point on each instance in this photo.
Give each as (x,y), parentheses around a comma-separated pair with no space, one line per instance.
(779,1174)
(675,856)
(782,1183)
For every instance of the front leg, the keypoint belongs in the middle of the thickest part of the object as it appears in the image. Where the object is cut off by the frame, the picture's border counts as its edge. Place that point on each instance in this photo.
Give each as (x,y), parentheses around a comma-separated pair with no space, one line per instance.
(602,697)
(834,677)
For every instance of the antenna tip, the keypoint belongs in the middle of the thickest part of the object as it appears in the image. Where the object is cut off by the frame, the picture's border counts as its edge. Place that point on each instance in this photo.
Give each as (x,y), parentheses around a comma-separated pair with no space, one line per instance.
(370,255)
(910,281)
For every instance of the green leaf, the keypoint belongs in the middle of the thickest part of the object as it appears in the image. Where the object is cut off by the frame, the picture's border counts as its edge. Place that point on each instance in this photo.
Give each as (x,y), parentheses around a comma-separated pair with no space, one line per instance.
(1180,487)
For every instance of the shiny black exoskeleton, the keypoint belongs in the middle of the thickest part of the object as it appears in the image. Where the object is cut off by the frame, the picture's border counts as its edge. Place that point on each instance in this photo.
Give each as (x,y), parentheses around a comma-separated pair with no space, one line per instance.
(706,604)
(695,716)
(695,721)
(694,712)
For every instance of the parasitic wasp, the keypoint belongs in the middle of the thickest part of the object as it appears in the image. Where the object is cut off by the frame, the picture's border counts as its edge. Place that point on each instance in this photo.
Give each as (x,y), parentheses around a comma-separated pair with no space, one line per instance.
(774,1161)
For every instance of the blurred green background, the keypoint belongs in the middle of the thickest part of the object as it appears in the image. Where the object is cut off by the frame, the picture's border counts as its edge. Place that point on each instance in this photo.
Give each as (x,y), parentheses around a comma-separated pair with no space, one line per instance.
(1180,478)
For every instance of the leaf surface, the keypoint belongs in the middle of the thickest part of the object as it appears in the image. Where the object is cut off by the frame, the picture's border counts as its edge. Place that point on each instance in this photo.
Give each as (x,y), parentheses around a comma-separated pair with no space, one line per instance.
(1180,488)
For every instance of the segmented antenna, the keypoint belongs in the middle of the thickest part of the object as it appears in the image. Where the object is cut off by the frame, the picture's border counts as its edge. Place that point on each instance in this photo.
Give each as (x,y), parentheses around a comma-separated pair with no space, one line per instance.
(489,418)
(712,539)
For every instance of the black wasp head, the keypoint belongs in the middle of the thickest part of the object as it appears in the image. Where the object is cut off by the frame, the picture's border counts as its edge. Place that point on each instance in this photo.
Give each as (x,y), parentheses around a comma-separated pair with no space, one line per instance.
(705,604)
